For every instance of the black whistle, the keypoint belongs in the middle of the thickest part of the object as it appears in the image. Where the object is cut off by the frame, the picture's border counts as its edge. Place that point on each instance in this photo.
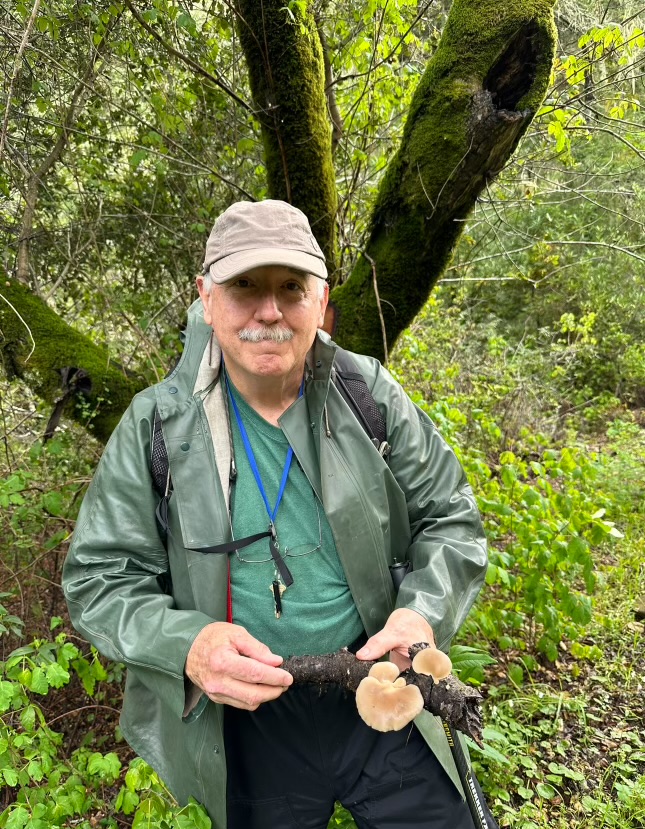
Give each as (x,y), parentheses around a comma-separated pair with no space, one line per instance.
(398,571)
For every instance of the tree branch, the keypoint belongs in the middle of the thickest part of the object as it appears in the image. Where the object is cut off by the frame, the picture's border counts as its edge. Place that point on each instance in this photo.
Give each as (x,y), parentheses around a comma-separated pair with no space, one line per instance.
(332,104)
(35,180)
(14,74)
(479,93)
(188,61)
(450,699)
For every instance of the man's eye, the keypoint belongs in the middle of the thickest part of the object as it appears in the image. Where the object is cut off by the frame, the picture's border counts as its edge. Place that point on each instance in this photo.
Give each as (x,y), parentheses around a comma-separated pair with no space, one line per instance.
(242,283)
(294,286)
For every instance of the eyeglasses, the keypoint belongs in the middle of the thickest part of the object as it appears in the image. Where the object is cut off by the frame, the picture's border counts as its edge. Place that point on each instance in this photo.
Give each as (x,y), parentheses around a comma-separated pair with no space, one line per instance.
(297,551)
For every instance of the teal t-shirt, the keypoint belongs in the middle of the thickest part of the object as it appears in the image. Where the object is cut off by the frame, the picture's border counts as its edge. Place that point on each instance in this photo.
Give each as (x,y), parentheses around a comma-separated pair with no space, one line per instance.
(318,611)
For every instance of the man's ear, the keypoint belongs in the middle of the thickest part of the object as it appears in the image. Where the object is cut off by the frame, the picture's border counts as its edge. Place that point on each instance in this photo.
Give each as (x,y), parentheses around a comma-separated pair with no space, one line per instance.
(205,298)
(323,306)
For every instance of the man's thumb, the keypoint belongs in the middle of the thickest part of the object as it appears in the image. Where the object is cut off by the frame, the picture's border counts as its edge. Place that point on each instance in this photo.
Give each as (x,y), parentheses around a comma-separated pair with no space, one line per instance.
(376,647)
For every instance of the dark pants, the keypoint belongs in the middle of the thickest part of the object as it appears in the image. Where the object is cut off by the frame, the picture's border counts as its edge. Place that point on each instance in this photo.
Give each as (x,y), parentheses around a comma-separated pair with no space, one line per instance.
(290,760)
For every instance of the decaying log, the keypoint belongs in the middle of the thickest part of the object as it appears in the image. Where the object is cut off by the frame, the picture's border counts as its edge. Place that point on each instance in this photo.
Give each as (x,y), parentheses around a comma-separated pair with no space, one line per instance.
(450,699)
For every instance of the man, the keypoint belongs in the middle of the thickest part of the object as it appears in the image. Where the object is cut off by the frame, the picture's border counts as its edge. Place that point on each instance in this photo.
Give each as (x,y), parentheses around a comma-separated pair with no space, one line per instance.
(263,449)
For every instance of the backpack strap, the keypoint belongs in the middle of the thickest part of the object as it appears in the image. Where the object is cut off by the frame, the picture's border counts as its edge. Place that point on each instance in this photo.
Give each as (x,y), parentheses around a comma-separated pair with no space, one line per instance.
(159,465)
(356,393)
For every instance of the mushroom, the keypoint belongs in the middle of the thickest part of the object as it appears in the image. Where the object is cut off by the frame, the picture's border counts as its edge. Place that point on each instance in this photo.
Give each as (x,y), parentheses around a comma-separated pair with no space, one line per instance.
(385,671)
(432,662)
(384,701)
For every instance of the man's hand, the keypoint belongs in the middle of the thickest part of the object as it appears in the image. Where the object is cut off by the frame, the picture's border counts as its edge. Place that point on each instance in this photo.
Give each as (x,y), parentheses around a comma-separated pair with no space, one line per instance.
(234,668)
(403,628)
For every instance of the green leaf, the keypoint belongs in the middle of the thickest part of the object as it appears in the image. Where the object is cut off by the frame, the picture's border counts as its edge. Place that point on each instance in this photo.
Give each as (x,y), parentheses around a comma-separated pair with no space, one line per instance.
(105,766)
(516,673)
(127,801)
(53,503)
(35,770)
(546,791)
(185,21)
(18,817)
(38,684)
(7,692)
(57,676)
(10,777)
(578,550)
(28,718)
(137,157)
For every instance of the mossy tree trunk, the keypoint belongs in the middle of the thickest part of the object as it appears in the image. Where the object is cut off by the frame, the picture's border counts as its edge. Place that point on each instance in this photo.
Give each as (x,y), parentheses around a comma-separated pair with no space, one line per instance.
(286,67)
(475,100)
(60,364)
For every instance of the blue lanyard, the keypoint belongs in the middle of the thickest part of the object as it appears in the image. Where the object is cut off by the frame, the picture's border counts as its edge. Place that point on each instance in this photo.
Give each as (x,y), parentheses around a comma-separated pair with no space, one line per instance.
(275,554)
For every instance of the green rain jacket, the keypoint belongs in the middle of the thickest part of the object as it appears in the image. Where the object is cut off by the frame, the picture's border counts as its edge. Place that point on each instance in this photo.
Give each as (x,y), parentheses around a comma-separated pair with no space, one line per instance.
(142,600)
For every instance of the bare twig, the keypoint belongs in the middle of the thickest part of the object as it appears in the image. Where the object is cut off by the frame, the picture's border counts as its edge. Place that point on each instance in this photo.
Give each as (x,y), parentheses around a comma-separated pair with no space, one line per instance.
(14,74)
(78,711)
(188,61)
(378,305)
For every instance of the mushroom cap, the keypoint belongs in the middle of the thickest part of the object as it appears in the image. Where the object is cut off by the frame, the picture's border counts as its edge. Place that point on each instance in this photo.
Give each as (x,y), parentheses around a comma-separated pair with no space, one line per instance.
(385,671)
(385,706)
(432,662)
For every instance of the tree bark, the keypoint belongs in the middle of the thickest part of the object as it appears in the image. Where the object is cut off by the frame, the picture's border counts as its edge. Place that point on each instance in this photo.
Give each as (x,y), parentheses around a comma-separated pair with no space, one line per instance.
(475,100)
(98,395)
(287,76)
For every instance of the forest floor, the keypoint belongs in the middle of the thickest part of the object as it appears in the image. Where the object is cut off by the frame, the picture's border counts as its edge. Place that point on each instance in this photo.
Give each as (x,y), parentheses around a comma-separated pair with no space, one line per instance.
(574,734)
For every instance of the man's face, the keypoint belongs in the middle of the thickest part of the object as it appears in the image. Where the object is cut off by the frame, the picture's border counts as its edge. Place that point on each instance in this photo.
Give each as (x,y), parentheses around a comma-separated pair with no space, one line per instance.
(265,320)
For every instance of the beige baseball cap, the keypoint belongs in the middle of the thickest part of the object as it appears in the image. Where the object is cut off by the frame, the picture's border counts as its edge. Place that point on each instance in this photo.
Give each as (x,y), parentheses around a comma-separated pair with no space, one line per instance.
(251,234)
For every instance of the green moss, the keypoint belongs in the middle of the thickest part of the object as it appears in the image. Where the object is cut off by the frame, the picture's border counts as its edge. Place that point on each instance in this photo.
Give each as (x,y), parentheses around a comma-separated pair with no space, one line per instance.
(444,162)
(287,78)
(58,345)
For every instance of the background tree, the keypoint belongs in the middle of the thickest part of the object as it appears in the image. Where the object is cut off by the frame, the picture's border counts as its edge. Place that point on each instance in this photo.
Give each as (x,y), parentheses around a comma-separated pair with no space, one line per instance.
(105,159)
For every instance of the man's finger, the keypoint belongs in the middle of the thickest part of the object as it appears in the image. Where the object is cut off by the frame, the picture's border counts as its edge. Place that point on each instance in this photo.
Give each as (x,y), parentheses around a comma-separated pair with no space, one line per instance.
(248,645)
(254,672)
(244,695)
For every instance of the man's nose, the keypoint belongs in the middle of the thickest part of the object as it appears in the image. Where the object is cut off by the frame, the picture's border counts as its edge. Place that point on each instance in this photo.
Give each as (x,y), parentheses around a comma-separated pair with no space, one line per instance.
(268,308)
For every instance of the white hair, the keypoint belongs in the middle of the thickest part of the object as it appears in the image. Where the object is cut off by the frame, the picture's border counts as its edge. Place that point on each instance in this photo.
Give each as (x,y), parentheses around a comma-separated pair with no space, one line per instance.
(208,284)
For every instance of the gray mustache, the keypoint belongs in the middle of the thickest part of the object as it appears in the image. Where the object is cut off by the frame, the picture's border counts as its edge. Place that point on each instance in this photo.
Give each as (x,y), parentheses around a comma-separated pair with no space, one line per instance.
(273,333)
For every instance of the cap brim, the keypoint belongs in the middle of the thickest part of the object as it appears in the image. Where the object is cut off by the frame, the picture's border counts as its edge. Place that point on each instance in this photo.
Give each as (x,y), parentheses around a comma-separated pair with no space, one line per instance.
(245,260)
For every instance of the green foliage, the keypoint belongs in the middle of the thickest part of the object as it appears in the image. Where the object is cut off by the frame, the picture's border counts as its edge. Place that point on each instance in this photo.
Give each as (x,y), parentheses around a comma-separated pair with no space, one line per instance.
(341,819)
(547,515)
(51,788)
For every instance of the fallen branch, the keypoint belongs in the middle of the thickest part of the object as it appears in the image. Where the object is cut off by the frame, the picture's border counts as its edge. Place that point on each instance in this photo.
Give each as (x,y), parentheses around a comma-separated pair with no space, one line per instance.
(450,699)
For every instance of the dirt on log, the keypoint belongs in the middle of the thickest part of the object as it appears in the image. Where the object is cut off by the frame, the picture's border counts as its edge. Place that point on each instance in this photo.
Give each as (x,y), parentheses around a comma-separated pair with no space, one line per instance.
(450,699)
